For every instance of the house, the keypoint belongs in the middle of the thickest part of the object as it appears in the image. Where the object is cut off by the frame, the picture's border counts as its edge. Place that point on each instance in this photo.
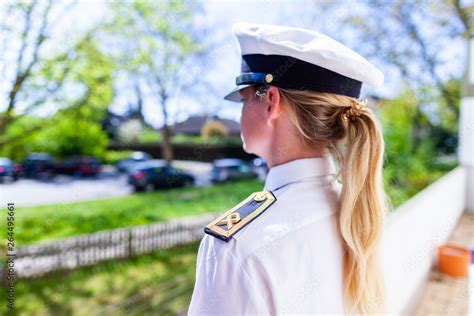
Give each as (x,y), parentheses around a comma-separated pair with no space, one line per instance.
(193,125)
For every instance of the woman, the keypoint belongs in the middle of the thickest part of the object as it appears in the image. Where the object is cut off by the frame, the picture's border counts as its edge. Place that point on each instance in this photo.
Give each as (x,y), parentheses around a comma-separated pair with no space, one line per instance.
(312,246)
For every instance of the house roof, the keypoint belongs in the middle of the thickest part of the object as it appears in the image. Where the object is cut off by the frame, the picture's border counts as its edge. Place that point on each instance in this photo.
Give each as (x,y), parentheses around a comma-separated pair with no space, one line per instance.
(194,124)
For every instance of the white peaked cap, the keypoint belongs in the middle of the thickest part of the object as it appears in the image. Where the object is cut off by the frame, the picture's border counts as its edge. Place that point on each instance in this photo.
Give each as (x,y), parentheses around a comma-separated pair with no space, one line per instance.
(305,45)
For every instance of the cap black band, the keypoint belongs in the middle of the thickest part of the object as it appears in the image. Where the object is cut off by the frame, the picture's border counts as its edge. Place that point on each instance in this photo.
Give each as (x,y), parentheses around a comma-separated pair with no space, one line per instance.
(292,73)
(250,78)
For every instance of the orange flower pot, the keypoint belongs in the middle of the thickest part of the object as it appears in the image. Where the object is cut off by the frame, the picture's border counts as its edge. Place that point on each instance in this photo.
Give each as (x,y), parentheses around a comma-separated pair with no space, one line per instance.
(453,260)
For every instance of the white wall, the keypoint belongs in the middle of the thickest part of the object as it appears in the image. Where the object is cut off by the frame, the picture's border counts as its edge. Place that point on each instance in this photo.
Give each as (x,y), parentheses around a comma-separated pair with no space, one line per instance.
(466,140)
(412,233)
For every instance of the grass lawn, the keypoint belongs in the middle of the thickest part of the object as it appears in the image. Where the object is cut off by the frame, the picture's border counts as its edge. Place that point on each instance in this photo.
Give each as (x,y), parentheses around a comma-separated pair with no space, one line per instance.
(41,223)
(157,284)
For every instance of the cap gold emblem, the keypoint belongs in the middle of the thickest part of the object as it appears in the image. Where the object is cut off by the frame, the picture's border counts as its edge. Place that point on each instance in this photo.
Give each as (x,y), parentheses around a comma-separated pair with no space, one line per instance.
(269,78)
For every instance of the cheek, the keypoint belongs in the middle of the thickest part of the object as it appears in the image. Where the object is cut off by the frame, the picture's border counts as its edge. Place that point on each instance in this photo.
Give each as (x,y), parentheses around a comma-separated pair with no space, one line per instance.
(252,120)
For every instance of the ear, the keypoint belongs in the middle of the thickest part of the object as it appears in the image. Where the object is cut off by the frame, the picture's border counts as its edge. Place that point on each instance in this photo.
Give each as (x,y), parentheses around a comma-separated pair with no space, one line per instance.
(274,107)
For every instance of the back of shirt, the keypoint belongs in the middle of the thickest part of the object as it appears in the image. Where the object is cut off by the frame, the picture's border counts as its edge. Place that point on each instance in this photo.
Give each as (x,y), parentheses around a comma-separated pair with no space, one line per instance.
(288,260)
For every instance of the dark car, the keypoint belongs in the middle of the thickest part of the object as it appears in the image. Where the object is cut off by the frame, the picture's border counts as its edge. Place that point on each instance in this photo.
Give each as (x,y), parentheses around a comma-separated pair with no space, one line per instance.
(156,174)
(79,166)
(8,170)
(137,157)
(37,165)
(231,169)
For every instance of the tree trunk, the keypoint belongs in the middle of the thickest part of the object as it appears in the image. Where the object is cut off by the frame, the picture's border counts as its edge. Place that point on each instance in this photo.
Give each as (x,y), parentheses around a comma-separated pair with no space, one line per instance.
(166,146)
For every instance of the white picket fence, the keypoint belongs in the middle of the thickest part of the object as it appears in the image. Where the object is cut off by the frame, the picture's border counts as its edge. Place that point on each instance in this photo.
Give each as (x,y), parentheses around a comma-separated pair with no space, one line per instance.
(38,259)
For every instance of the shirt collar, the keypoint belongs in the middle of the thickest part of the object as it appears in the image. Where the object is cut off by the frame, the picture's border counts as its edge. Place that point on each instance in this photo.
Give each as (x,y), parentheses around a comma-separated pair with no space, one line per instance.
(298,170)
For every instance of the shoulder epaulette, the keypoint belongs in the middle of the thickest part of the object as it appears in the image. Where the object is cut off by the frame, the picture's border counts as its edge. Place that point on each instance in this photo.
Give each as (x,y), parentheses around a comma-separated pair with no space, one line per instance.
(227,224)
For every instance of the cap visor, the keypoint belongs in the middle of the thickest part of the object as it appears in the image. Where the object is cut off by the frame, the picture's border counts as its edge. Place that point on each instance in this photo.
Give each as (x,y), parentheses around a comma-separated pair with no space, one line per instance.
(234,95)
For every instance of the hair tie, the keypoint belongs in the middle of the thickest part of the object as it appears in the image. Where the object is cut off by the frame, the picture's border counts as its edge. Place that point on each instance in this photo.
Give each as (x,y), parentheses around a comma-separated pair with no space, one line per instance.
(356,109)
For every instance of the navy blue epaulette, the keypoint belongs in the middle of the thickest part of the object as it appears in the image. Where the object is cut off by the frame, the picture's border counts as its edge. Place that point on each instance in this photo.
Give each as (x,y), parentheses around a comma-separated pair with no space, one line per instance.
(227,224)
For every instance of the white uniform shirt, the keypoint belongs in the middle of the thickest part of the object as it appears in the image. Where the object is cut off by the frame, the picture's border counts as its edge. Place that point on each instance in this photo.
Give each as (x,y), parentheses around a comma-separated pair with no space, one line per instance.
(288,260)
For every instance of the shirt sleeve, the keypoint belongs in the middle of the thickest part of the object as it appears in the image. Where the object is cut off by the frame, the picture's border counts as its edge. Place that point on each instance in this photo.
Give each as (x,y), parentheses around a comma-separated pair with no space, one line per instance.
(223,286)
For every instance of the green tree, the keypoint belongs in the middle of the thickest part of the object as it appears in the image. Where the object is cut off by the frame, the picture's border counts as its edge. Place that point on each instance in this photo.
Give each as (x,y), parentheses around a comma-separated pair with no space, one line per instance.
(158,41)
(410,35)
(91,76)
(76,81)
(31,23)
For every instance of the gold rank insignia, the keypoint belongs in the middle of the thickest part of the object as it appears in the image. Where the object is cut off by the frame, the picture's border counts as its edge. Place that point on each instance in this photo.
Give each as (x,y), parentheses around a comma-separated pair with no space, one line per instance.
(227,224)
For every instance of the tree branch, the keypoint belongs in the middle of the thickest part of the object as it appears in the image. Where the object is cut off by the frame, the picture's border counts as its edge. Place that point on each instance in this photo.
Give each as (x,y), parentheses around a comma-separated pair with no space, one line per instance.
(22,75)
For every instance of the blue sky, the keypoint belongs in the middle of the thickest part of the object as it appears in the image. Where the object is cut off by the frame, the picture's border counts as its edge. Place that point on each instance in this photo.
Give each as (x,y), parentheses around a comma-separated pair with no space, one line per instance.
(221,74)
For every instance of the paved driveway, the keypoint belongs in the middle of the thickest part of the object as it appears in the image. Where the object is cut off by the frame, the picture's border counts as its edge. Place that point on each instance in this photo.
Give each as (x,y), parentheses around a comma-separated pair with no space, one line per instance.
(63,189)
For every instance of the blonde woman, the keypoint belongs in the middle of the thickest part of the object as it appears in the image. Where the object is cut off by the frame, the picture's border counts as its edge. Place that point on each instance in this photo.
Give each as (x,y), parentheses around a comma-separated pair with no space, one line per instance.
(308,243)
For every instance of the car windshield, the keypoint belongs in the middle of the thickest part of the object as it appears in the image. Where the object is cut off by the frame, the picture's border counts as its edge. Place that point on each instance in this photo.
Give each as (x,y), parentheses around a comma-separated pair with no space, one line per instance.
(39,156)
(148,165)
(139,156)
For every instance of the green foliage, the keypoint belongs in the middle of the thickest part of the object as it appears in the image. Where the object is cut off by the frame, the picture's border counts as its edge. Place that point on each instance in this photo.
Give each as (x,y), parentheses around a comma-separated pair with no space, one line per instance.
(62,136)
(150,136)
(448,116)
(25,142)
(73,129)
(411,153)
(73,137)
(93,75)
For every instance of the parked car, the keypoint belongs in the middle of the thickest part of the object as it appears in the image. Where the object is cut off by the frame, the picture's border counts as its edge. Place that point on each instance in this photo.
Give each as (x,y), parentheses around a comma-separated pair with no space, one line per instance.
(156,174)
(37,165)
(137,157)
(231,169)
(79,165)
(8,170)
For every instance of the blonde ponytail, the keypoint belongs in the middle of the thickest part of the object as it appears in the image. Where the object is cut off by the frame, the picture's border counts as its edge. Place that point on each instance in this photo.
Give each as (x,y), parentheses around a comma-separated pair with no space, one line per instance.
(353,136)
(363,206)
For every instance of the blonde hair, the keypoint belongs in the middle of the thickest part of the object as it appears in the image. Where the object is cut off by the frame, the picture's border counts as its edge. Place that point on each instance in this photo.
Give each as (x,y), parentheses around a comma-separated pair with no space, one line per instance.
(354,138)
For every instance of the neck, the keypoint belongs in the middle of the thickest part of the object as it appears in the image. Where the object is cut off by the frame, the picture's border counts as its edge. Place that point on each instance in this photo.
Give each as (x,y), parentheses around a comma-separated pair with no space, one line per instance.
(284,151)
